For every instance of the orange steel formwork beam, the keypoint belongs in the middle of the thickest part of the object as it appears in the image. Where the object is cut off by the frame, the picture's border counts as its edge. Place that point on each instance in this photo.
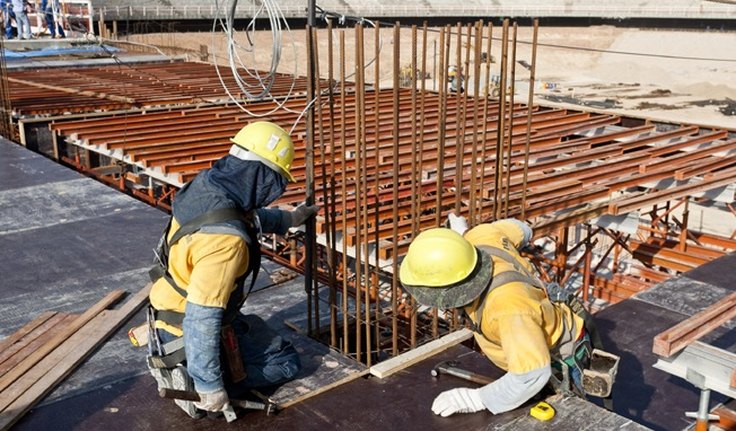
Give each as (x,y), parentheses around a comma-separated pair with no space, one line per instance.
(45,91)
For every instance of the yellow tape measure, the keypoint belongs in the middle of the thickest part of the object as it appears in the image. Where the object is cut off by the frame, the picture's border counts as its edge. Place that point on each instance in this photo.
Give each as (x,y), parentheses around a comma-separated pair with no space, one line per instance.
(542,411)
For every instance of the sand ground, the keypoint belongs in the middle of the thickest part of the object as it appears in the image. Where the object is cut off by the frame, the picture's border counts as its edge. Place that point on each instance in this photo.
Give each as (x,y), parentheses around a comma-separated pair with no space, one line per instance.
(630,76)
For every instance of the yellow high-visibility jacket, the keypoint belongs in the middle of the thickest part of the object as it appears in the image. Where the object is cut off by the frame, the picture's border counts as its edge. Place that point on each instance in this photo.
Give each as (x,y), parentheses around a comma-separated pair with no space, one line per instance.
(206,265)
(520,325)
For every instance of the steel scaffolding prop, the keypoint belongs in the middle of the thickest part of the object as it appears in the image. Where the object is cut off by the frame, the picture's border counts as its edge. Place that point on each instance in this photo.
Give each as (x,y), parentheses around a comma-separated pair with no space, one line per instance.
(391,158)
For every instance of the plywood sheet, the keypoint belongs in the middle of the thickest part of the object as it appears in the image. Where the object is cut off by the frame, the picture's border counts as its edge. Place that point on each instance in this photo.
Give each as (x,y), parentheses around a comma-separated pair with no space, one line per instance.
(642,393)
(22,168)
(720,272)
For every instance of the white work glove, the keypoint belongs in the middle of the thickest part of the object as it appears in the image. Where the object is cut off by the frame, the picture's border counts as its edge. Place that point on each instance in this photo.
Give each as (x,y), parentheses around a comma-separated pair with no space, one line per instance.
(457,223)
(458,400)
(301,213)
(213,401)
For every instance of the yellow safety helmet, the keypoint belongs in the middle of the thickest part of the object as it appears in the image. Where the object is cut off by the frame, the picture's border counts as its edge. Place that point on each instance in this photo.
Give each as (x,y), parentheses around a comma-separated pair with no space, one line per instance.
(442,269)
(267,143)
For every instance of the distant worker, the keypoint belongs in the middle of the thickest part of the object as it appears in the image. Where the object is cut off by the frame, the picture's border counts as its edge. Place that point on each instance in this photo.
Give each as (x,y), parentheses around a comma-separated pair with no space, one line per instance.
(52,14)
(208,250)
(516,325)
(6,6)
(21,19)
(455,79)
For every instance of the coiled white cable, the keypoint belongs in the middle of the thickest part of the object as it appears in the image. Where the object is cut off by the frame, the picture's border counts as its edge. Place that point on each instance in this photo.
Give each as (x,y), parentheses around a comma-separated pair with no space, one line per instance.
(264,82)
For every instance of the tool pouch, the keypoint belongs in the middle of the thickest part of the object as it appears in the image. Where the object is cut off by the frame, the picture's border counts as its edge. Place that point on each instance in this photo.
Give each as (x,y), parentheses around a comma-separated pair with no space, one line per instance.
(231,354)
(598,378)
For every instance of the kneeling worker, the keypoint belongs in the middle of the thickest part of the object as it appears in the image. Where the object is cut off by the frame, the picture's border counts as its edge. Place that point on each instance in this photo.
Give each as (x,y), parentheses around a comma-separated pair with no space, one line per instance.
(516,325)
(200,341)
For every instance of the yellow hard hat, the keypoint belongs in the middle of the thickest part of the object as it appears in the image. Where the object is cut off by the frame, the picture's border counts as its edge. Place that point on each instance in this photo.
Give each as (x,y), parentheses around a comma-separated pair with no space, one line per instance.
(267,143)
(442,269)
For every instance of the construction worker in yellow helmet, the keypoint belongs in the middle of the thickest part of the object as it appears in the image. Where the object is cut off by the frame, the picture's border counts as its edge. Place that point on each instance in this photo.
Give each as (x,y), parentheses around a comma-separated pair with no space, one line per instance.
(208,259)
(481,272)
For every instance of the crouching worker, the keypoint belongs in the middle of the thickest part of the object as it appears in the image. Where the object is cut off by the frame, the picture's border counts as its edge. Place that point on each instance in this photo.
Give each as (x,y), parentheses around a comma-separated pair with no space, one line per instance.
(516,325)
(201,342)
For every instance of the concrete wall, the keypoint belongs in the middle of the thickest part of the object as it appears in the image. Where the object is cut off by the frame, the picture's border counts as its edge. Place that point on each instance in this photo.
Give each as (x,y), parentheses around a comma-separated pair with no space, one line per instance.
(612,9)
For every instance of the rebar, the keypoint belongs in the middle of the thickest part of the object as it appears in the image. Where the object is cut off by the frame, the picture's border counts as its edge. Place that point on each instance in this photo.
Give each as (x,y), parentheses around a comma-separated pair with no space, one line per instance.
(309,243)
(343,194)
(415,178)
(330,212)
(376,183)
(512,91)
(357,175)
(318,104)
(473,198)
(529,105)
(395,218)
(501,129)
(486,94)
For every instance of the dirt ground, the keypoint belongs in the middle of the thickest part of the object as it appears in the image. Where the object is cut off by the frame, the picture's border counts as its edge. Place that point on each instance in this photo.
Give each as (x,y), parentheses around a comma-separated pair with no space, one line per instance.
(689,86)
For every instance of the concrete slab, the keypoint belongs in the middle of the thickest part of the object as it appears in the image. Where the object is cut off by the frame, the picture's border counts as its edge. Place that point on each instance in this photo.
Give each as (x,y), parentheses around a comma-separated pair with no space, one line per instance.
(685,295)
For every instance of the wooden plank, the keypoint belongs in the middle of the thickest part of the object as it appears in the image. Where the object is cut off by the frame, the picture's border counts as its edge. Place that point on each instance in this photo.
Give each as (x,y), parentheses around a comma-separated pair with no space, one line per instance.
(322,389)
(26,364)
(30,338)
(398,363)
(679,336)
(53,368)
(26,329)
(35,341)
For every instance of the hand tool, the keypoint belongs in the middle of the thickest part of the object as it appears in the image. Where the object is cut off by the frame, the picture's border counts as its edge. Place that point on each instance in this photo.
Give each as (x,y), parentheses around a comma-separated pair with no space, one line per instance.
(450,368)
(269,407)
(542,411)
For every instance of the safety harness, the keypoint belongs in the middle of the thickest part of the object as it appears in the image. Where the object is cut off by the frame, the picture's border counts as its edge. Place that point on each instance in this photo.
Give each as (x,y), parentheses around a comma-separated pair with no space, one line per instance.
(173,353)
(521,274)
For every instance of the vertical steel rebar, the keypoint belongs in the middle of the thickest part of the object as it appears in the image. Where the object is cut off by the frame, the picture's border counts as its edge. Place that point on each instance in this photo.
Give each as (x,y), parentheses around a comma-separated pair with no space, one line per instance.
(309,239)
(318,108)
(486,103)
(501,128)
(423,93)
(441,124)
(343,198)
(363,183)
(460,119)
(441,149)
(414,202)
(395,216)
(330,210)
(512,90)
(530,105)
(358,173)
(476,108)
(376,186)
(415,181)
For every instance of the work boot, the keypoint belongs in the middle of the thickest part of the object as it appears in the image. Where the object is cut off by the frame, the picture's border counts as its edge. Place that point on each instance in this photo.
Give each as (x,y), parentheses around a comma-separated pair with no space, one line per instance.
(181,381)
